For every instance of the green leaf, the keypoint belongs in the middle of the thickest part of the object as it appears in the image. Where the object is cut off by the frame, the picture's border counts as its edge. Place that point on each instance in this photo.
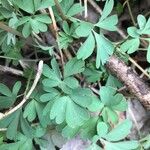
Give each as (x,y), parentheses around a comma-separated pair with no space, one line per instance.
(38,26)
(58,111)
(132,31)
(16,88)
(52,94)
(30,111)
(109,23)
(31,6)
(107,9)
(120,131)
(55,67)
(96,105)
(23,20)
(22,142)
(82,97)
(64,109)
(74,66)
(13,126)
(146,30)
(141,21)
(4,90)
(75,115)
(70,8)
(148,54)
(5,12)
(106,94)
(102,129)
(112,116)
(25,127)
(104,49)
(44,18)
(84,29)
(127,145)
(52,82)
(26,5)
(7,5)
(86,48)
(75,9)
(33,24)
(68,84)
(130,46)
(64,40)
(111,99)
(46,3)
(52,79)
(92,74)
(113,82)
(120,103)
(144,27)
(26,31)
(7,97)
(88,130)
(69,132)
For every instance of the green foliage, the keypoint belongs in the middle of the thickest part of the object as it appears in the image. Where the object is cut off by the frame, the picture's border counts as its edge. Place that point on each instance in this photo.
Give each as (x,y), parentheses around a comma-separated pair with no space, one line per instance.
(75,95)
(70,8)
(33,5)
(34,24)
(8,97)
(131,45)
(104,47)
(66,38)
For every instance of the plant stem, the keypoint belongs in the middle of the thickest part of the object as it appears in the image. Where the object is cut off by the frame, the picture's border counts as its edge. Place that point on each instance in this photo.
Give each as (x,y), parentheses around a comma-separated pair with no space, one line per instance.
(139,67)
(27,96)
(59,9)
(135,63)
(56,32)
(9,29)
(85,9)
(130,12)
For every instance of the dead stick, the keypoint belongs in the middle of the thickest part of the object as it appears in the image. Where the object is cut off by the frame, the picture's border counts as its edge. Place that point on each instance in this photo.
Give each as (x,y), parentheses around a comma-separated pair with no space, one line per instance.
(27,96)
(130,79)
(11,70)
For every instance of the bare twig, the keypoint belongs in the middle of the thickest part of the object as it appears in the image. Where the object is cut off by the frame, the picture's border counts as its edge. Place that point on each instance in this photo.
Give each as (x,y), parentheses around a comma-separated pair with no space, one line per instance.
(130,111)
(27,96)
(53,21)
(59,9)
(56,32)
(11,70)
(130,79)
(85,9)
(94,90)
(95,6)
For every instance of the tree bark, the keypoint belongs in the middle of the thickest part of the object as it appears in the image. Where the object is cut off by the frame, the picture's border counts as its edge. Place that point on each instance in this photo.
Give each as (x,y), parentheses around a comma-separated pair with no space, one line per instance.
(128,77)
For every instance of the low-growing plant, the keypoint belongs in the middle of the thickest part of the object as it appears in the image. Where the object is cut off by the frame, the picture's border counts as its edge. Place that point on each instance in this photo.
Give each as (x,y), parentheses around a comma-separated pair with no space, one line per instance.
(73,93)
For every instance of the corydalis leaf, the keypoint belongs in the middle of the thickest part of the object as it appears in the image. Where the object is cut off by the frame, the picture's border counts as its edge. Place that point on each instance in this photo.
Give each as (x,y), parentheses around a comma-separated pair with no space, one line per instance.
(86,48)
(73,66)
(104,49)
(64,109)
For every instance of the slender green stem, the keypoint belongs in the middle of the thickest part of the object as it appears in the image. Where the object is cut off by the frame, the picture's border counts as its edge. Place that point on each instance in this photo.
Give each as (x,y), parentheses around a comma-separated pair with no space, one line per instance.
(130,12)
(135,63)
